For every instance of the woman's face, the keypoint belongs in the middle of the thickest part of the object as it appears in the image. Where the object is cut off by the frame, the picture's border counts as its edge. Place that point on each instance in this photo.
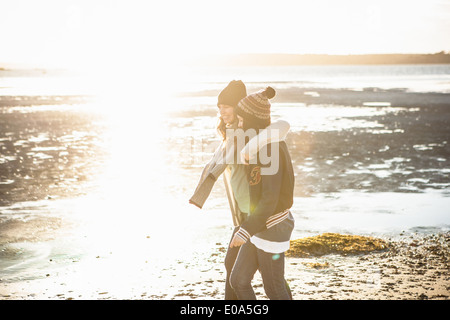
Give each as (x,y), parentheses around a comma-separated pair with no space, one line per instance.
(227,113)
(240,122)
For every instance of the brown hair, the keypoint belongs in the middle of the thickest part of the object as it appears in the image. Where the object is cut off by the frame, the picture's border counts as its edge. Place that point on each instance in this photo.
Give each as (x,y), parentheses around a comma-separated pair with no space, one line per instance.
(221,128)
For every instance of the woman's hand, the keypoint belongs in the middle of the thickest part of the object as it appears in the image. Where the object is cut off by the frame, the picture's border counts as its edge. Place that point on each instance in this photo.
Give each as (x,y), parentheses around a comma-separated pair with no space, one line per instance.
(245,158)
(236,241)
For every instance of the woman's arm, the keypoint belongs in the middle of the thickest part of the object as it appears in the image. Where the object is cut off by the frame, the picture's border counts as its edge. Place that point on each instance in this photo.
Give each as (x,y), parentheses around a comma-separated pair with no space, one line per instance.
(208,178)
(275,132)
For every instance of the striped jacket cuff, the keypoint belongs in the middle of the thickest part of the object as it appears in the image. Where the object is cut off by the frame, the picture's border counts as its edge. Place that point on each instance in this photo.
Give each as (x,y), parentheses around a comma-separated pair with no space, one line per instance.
(243,234)
(277,218)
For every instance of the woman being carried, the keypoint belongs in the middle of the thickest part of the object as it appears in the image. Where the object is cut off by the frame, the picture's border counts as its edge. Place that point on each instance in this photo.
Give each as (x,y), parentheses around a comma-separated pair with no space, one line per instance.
(264,236)
(227,160)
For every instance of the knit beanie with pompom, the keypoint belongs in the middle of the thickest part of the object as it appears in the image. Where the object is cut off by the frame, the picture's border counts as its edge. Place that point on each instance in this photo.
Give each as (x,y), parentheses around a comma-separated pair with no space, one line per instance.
(256,107)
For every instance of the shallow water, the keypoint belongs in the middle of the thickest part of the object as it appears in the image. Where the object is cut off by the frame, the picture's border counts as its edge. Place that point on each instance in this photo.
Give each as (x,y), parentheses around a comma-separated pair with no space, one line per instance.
(95,181)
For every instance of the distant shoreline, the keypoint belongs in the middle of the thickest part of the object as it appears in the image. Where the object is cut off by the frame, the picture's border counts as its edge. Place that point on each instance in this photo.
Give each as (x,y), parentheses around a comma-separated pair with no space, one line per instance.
(283,59)
(274,59)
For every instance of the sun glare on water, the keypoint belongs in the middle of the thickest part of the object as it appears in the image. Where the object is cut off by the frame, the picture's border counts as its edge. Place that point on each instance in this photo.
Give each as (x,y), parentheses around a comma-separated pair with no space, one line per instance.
(129,164)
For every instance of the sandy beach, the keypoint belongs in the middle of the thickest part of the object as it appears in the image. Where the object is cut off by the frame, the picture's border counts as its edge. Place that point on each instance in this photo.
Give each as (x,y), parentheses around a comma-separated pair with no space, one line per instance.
(368,162)
(413,268)
(110,111)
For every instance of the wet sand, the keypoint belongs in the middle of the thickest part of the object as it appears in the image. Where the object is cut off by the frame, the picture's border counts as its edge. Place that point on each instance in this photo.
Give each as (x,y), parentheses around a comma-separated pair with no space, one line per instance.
(52,155)
(413,268)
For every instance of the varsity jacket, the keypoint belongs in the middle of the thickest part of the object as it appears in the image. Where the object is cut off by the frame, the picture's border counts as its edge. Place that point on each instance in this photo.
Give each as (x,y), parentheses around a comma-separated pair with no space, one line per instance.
(270,222)
(219,164)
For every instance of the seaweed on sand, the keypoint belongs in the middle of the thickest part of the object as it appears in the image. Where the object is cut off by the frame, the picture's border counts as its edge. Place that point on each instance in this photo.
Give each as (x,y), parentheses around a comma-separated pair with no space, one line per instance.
(335,243)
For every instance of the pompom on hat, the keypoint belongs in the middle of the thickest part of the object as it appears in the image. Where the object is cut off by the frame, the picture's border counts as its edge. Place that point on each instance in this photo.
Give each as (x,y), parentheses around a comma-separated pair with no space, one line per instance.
(232,93)
(256,107)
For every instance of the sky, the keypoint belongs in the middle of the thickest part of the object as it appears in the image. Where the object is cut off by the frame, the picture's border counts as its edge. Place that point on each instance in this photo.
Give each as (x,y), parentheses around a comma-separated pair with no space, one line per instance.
(121,32)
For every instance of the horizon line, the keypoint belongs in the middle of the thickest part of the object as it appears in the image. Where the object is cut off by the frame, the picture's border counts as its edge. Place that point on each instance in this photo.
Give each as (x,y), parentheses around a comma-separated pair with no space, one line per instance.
(240,59)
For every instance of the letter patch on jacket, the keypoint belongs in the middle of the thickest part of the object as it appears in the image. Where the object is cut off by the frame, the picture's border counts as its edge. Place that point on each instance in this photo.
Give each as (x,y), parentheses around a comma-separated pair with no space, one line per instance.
(255,176)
